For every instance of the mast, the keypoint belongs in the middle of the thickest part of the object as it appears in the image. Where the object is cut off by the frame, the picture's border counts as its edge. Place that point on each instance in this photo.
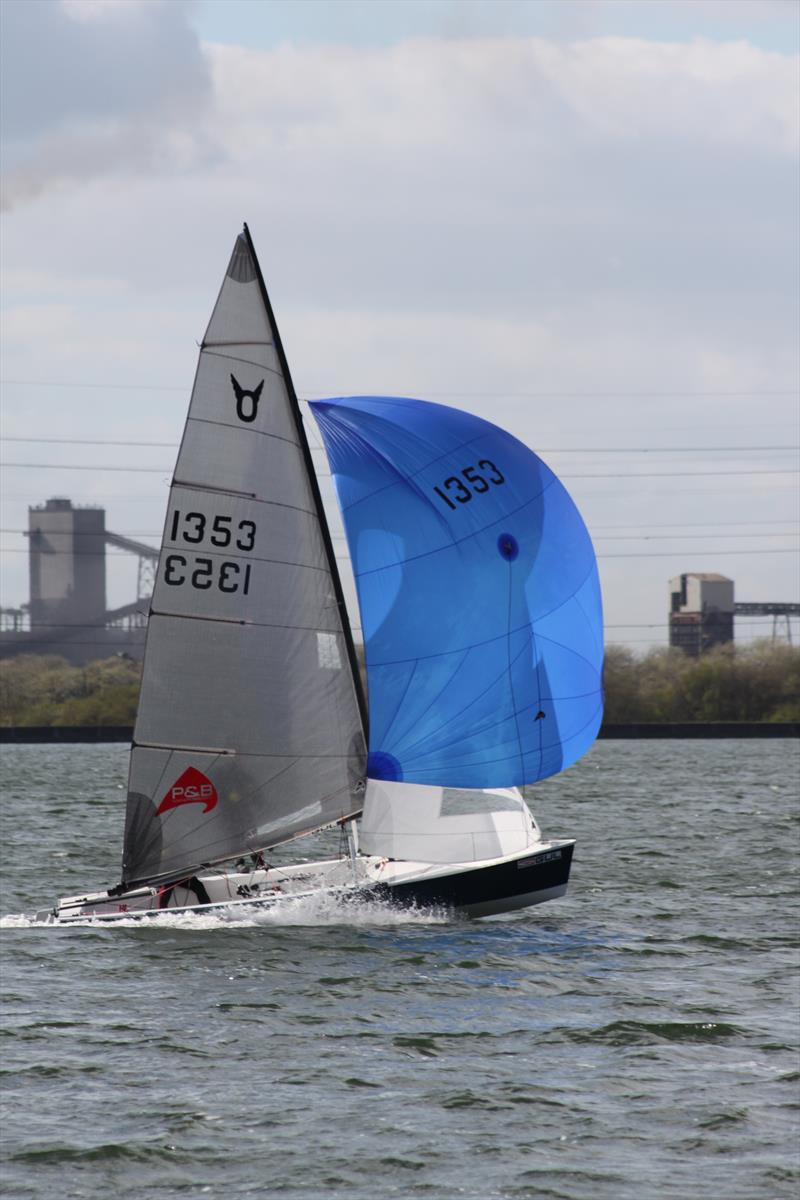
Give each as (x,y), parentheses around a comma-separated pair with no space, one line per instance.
(314,484)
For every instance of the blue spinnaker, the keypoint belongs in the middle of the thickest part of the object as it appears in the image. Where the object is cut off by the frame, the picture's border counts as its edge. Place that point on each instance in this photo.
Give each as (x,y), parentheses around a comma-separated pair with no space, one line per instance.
(479,597)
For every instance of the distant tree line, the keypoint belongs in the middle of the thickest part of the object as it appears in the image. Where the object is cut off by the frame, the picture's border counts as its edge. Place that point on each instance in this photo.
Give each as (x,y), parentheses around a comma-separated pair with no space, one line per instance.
(760,682)
(39,689)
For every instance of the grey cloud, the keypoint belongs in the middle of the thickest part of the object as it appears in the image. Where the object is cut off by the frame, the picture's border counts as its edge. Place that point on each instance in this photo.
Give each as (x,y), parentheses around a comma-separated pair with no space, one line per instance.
(87,90)
(59,67)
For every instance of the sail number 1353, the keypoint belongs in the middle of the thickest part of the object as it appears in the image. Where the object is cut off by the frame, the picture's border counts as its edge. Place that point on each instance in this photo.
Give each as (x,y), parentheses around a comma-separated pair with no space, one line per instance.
(195,527)
(220,531)
(470,482)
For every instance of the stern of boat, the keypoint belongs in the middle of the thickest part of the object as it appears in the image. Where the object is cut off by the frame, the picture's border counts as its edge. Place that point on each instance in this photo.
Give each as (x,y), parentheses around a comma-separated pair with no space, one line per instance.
(482,889)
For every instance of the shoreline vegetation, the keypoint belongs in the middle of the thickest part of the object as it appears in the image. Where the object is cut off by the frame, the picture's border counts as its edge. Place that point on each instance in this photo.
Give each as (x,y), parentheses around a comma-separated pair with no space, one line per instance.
(759,683)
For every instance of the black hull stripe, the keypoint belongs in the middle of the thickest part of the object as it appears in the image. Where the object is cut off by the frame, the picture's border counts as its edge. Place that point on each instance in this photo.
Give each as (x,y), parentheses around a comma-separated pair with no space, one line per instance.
(484,885)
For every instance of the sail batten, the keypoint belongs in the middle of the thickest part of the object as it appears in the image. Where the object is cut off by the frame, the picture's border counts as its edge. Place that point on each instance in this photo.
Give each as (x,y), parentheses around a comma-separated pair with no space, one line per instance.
(246,646)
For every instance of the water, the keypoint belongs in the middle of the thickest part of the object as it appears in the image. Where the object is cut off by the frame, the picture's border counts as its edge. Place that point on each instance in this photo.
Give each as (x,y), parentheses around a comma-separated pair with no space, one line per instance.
(637,1039)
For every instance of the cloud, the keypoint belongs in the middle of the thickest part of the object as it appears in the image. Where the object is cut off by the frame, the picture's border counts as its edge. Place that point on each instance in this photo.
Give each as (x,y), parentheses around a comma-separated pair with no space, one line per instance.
(90,87)
(610,218)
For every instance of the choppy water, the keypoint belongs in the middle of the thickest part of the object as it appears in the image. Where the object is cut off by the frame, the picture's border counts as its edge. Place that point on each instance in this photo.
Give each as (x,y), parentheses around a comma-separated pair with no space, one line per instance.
(637,1039)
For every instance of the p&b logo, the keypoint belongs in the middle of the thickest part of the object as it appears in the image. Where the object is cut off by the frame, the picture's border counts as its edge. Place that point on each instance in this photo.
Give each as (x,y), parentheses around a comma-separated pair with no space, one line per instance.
(193,787)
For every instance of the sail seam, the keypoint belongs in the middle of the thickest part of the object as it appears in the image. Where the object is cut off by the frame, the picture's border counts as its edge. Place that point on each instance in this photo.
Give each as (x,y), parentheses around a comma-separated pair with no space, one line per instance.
(509,673)
(569,737)
(420,716)
(261,432)
(419,753)
(244,557)
(408,750)
(215,490)
(384,738)
(220,491)
(239,621)
(181,749)
(238,753)
(247,361)
(396,662)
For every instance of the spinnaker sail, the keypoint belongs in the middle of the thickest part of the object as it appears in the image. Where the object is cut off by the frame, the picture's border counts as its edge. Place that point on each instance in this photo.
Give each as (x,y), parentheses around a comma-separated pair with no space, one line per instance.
(479,595)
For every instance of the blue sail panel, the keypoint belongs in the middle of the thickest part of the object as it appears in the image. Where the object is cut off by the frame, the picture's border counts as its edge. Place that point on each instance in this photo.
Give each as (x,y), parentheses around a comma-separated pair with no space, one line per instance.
(478,590)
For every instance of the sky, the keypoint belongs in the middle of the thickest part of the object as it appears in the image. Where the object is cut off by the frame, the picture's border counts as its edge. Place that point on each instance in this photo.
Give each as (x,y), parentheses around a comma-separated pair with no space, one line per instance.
(576,218)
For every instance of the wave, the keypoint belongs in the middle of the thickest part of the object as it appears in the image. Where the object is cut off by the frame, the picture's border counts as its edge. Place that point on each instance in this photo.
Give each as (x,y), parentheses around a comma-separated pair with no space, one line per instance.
(300,910)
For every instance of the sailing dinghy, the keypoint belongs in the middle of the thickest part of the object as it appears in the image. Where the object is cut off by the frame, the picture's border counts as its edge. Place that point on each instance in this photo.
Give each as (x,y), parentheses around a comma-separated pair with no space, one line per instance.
(482,628)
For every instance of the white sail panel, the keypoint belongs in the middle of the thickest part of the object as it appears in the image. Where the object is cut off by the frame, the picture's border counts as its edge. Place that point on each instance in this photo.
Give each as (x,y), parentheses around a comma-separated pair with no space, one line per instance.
(428,823)
(248,731)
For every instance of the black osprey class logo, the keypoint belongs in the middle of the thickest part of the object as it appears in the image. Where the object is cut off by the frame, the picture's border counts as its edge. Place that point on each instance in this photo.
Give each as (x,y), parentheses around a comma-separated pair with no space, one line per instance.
(242,395)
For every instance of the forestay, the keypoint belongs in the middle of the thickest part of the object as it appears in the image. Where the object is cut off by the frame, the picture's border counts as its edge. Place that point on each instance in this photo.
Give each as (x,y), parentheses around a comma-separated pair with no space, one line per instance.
(248,730)
(478,591)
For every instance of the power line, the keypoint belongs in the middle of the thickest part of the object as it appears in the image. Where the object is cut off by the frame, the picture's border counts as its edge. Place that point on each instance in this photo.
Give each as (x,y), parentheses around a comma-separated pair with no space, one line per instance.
(324,474)
(705,553)
(669,537)
(539,450)
(89,442)
(494,394)
(83,533)
(672,474)
(124,638)
(752,623)
(75,553)
(110,387)
(601,537)
(689,524)
(86,467)
(661,449)
(758,490)
(677,553)
(628,525)
(663,625)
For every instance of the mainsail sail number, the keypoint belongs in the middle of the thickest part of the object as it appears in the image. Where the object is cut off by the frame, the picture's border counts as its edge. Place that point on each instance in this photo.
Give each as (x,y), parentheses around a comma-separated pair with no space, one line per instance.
(203,573)
(220,533)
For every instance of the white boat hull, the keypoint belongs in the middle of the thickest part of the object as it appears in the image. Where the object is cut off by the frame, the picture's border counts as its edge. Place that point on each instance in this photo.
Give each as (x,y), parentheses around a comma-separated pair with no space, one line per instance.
(474,889)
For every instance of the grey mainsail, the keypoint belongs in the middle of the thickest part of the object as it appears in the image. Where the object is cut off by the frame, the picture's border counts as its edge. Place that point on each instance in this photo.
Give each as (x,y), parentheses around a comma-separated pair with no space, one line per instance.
(249,730)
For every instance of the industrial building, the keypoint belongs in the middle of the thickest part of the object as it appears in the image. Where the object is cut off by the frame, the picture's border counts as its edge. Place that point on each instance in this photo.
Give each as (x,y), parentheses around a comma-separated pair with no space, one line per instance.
(67,614)
(702,609)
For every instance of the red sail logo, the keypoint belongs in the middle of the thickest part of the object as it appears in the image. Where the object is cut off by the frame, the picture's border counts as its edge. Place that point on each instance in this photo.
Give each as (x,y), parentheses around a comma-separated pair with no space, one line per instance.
(193,787)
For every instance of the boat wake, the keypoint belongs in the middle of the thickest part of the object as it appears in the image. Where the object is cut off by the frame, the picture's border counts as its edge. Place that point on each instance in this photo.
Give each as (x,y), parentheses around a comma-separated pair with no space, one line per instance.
(302,910)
